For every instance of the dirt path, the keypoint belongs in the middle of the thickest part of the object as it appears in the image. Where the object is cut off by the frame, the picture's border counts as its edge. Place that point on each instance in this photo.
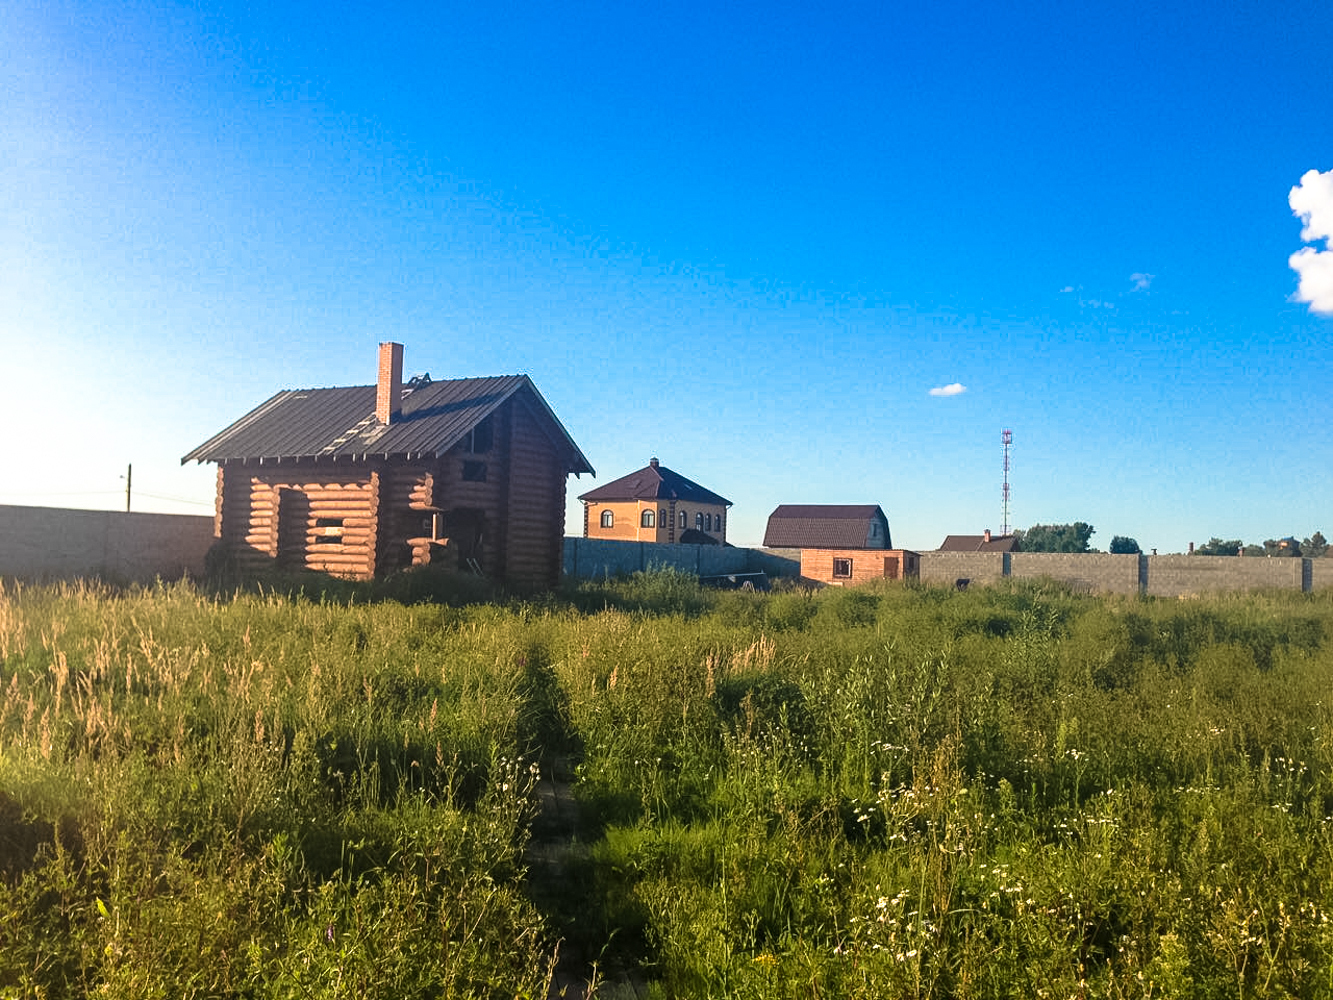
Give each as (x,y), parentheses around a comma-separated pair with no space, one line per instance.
(556,856)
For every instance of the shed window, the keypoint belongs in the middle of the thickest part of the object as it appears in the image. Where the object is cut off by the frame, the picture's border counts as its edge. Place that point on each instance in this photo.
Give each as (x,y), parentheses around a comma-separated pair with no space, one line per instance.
(842,569)
(608,519)
(648,520)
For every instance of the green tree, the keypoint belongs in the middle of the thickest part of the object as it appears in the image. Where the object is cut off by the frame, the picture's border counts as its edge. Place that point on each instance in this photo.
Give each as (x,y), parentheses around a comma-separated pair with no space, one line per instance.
(1217,547)
(1281,547)
(1123,545)
(1057,537)
(1316,546)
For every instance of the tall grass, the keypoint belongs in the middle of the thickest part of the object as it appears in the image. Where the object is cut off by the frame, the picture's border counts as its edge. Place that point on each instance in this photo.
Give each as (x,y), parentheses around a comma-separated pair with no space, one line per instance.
(882,792)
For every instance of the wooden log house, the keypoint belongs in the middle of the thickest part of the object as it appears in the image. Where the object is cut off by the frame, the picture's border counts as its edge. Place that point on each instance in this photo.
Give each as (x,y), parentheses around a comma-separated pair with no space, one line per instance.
(360,481)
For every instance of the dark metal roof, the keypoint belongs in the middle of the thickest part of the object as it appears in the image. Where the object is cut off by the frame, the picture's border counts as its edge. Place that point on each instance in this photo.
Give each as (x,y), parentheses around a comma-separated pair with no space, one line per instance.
(823,526)
(341,423)
(979,543)
(654,482)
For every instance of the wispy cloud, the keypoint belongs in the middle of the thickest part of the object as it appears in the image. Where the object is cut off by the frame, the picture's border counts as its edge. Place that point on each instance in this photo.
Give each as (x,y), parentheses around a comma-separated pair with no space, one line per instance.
(952,389)
(1141,281)
(1312,202)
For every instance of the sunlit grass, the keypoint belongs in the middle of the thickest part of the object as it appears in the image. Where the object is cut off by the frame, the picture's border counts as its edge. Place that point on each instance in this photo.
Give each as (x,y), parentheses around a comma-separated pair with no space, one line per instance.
(880,792)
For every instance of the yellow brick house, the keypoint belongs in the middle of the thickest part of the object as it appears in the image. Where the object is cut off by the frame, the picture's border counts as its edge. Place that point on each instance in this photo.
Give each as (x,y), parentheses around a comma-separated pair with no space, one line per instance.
(655,504)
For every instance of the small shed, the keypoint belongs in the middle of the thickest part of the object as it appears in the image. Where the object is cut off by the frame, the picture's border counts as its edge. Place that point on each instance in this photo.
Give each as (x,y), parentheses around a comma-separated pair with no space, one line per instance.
(840,544)
(360,481)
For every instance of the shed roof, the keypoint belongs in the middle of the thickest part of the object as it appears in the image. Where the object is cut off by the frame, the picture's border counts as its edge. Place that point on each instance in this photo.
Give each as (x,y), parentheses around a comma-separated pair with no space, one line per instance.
(654,482)
(979,543)
(823,526)
(341,422)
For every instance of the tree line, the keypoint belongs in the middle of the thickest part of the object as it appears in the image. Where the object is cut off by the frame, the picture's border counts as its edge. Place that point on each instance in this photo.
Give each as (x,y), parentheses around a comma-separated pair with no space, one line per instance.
(1076,537)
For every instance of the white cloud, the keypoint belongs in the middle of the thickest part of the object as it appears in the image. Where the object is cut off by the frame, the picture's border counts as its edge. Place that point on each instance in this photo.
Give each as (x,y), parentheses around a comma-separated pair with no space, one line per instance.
(1066,290)
(952,389)
(1141,281)
(1312,202)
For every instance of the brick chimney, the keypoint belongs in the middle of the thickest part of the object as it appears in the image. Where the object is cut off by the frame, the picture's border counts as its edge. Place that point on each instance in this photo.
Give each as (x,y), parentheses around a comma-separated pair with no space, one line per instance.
(985,535)
(652,463)
(389,389)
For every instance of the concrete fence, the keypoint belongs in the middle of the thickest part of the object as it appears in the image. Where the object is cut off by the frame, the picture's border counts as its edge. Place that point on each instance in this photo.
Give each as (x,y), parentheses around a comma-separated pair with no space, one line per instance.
(1157,576)
(53,543)
(46,543)
(590,558)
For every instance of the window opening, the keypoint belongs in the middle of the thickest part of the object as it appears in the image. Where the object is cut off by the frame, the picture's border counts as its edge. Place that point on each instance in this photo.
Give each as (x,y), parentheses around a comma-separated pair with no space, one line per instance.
(842,569)
(328,530)
(608,519)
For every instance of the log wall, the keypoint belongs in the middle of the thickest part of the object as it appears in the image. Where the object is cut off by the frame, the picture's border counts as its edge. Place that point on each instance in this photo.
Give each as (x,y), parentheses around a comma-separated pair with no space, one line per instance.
(504,503)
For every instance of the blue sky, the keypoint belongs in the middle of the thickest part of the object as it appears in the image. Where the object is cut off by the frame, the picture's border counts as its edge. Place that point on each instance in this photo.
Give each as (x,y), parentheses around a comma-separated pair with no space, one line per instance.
(747,242)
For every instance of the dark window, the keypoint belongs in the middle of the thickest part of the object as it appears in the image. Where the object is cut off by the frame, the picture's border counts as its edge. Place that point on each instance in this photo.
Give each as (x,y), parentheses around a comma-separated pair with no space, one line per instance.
(608,519)
(474,472)
(648,520)
(699,521)
(842,569)
(708,522)
(684,520)
(328,531)
(480,438)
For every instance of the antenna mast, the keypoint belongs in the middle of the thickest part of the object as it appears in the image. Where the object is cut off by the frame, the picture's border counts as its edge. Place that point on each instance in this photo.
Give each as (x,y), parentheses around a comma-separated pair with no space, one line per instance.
(1007,436)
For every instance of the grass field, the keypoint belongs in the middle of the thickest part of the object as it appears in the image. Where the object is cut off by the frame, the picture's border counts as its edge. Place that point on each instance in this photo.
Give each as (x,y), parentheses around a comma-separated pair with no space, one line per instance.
(896,792)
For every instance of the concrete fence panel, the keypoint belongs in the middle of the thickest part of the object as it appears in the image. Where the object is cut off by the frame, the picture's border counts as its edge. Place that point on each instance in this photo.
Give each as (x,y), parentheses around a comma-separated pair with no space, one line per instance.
(945,569)
(1093,572)
(49,543)
(1174,576)
(1321,573)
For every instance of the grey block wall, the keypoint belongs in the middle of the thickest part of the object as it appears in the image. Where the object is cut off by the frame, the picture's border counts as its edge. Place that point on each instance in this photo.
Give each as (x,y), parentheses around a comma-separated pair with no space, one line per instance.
(944,569)
(50,543)
(1093,572)
(589,558)
(1321,573)
(1172,576)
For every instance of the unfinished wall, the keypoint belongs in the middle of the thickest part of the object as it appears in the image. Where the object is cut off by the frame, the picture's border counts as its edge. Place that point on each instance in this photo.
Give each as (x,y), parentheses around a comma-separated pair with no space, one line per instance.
(1173,576)
(1159,576)
(1092,572)
(588,558)
(49,543)
(945,569)
(1321,573)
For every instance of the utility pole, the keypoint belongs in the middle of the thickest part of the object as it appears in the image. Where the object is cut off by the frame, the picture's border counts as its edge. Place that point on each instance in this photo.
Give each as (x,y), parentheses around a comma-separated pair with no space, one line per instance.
(129,477)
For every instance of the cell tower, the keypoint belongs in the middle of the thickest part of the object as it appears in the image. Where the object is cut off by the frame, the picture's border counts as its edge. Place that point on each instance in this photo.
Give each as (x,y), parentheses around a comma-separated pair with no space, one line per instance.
(1007,436)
